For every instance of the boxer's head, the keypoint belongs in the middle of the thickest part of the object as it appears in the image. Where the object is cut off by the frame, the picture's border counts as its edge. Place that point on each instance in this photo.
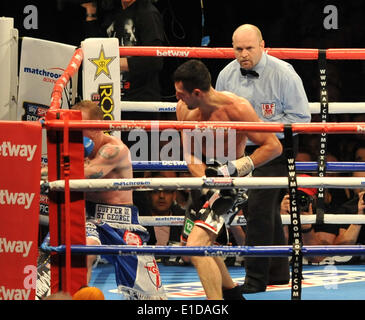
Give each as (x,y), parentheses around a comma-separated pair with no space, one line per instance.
(90,111)
(192,79)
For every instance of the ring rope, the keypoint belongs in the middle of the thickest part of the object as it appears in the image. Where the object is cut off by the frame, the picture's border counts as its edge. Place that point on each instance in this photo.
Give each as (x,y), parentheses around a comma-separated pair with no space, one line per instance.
(173,221)
(262,251)
(147,184)
(127,125)
(173,165)
(241,221)
(62,81)
(228,53)
(153,106)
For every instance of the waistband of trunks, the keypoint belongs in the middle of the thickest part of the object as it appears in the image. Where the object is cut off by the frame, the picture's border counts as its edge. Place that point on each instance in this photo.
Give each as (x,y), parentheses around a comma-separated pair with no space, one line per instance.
(122,214)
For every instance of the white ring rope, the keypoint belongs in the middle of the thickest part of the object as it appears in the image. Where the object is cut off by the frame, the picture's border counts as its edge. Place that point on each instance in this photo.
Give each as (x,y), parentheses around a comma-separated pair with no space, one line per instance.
(315,107)
(146,184)
(173,221)
(241,221)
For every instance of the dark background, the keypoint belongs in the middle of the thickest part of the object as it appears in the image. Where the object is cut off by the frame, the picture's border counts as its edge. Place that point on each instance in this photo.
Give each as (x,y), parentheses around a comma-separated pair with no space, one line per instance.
(284,24)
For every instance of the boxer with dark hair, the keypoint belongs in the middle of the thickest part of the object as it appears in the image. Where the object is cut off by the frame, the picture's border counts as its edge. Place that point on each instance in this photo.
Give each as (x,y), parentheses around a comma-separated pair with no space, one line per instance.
(199,101)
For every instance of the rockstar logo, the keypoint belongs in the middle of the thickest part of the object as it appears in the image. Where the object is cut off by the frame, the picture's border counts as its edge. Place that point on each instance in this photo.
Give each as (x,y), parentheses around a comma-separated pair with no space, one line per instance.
(102,63)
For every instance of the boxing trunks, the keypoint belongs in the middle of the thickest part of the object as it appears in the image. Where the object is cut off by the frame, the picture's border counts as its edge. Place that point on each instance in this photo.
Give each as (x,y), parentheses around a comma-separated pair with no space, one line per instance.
(208,220)
(137,277)
(192,218)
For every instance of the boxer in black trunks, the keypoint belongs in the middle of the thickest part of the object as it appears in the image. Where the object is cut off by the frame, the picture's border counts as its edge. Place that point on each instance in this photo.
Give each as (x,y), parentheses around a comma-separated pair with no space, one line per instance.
(199,101)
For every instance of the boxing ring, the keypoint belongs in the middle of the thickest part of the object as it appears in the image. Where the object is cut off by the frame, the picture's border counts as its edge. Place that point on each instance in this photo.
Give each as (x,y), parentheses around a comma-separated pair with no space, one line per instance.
(62,178)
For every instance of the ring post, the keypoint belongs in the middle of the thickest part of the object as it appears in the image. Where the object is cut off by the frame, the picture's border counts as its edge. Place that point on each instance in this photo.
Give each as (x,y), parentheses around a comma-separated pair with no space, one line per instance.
(66,213)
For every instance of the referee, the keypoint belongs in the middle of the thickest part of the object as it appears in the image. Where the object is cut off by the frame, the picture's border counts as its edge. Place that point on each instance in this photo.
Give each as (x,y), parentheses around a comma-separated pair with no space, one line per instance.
(277,94)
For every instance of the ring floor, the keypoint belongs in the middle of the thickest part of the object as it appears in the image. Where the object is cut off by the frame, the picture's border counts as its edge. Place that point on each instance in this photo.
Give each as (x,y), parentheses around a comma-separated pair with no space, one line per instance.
(328,282)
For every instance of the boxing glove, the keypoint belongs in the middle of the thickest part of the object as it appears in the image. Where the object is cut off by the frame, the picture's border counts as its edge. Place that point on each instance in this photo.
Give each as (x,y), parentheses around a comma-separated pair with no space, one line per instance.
(235,168)
(227,200)
(219,201)
(88,146)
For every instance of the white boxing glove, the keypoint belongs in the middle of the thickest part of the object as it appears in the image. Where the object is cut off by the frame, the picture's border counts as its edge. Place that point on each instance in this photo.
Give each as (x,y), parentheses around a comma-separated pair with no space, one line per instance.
(243,166)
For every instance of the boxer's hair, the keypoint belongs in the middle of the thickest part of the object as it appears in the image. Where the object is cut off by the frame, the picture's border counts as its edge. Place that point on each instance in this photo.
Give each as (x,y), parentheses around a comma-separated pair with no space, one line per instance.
(194,75)
(95,112)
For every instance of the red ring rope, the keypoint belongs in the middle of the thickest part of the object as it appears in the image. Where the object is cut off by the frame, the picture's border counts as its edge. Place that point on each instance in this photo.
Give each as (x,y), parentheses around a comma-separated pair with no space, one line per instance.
(126,125)
(61,83)
(227,53)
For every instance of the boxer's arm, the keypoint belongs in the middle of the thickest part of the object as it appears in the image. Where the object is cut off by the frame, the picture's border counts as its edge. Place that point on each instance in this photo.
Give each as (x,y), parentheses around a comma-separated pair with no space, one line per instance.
(269,148)
(108,157)
(195,165)
(269,145)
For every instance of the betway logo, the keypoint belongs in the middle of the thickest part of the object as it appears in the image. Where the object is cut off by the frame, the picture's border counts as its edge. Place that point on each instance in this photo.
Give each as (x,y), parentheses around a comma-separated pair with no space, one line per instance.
(15,246)
(172,53)
(16,198)
(14,294)
(7,149)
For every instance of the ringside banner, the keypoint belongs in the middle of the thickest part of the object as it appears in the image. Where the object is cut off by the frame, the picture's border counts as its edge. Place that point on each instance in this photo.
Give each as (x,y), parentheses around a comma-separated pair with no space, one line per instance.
(101,74)
(20,161)
(42,62)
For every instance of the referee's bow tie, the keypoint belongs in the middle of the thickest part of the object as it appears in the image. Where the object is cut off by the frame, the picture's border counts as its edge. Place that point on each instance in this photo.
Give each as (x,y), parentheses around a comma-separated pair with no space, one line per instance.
(253,73)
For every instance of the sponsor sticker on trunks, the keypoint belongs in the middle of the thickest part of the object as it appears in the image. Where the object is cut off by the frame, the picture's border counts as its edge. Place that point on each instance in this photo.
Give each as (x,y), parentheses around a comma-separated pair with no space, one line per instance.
(154,273)
(113,214)
(188,226)
(132,238)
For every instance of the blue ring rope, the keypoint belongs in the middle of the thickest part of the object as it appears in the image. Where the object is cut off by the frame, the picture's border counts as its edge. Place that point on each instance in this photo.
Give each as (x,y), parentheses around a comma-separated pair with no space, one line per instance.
(260,251)
(300,166)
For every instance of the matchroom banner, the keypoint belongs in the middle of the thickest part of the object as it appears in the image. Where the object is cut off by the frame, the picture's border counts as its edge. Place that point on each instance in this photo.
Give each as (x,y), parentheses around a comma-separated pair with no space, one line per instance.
(42,62)
(20,158)
(101,74)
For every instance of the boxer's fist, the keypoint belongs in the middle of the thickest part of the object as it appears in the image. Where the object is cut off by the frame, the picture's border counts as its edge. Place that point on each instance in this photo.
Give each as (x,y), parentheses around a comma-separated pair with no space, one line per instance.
(217,169)
(88,146)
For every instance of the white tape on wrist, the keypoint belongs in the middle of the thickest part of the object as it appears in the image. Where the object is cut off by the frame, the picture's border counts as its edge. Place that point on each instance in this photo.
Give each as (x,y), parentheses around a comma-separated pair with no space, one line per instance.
(224,170)
(243,165)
